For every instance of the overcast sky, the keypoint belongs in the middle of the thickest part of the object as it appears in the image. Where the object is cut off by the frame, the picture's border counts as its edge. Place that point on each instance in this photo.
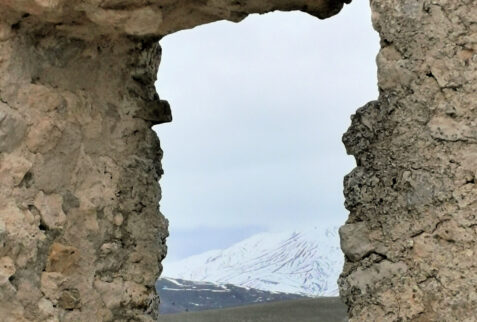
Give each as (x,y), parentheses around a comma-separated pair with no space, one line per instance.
(259,109)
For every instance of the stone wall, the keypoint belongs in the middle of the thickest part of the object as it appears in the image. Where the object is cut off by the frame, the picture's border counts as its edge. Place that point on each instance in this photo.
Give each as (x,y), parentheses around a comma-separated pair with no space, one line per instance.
(410,240)
(80,232)
(81,235)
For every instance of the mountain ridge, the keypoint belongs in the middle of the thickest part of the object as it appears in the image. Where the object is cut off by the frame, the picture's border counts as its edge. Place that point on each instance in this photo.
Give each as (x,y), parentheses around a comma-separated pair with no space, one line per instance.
(306,262)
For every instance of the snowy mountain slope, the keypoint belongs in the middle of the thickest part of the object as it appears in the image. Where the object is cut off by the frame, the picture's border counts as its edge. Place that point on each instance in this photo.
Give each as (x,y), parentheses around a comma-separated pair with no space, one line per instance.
(307,263)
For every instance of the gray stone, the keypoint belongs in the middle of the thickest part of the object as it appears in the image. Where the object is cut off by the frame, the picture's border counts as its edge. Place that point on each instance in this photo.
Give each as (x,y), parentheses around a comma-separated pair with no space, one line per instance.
(354,239)
(77,154)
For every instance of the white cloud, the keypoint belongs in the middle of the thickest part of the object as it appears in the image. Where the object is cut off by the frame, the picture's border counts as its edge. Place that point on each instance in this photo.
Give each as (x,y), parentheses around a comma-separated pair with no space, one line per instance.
(259,110)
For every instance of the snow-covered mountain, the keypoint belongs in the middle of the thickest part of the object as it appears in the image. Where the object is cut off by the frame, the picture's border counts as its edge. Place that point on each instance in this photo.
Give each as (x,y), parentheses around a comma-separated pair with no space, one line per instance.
(307,262)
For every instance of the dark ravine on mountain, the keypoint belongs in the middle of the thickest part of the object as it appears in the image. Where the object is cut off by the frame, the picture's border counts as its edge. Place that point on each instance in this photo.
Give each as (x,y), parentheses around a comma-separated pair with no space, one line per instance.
(81,234)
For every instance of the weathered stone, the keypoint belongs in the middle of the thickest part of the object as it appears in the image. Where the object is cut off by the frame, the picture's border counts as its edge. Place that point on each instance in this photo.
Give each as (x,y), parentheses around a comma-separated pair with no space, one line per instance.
(138,22)
(51,210)
(80,231)
(414,187)
(137,294)
(47,311)
(13,169)
(368,279)
(21,238)
(112,292)
(12,128)
(7,269)
(28,294)
(70,299)
(39,98)
(355,241)
(141,18)
(52,283)
(69,201)
(5,31)
(62,259)
(43,137)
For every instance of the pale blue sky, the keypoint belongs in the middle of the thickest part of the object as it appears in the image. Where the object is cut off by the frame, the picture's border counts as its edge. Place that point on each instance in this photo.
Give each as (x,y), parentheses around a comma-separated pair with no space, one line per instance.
(259,109)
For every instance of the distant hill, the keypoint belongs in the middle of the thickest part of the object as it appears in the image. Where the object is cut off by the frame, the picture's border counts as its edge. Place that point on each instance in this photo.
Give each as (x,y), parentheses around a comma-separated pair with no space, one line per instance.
(186,296)
(329,309)
(306,263)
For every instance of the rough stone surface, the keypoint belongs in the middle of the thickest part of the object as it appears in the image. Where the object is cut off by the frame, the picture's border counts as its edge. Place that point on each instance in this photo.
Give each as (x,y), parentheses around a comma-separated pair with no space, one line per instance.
(78,178)
(81,235)
(414,188)
(90,19)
